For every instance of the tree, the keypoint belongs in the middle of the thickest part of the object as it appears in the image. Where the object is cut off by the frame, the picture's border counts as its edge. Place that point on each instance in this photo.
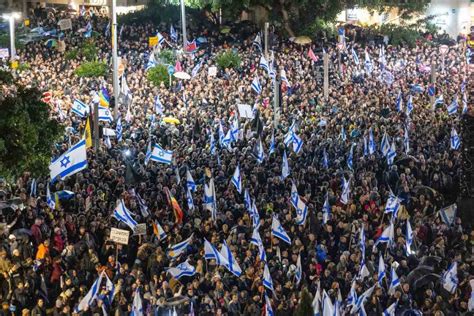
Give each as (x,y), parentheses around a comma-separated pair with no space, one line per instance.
(305,306)
(27,134)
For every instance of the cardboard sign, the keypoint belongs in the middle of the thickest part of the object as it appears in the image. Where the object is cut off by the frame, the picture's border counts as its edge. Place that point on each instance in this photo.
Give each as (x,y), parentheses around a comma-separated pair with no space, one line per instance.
(4,53)
(245,111)
(152,41)
(120,236)
(26,22)
(212,71)
(140,229)
(65,24)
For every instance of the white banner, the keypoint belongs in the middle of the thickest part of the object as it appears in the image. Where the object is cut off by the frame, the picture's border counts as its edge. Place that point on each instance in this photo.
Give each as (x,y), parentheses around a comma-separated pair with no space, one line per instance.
(120,236)
(245,111)
(65,24)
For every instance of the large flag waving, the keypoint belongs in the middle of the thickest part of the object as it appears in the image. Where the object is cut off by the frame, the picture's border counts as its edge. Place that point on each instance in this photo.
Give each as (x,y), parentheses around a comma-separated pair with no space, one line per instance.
(69,163)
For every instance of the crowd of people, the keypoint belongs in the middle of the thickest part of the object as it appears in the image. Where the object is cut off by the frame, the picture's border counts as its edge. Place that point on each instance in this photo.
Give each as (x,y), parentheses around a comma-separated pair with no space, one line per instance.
(379,137)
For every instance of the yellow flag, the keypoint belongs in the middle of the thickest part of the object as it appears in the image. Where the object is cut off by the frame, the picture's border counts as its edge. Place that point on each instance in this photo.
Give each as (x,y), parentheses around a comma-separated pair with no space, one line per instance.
(88,134)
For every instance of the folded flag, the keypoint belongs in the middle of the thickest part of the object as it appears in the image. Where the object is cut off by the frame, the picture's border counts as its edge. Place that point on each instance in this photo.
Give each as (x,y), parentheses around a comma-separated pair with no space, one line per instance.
(122,214)
(299,270)
(346,190)
(381,271)
(49,200)
(80,108)
(69,163)
(257,42)
(173,33)
(151,61)
(354,56)
(175,250)
(263,63)
(268,307)
(182,269)
(399,102)
(394,281)
(409,239)
(453,107)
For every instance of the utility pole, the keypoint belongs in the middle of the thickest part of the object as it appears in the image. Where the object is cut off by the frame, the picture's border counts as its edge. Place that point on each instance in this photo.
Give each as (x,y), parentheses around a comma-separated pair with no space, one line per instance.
(267,25)
(326,76)
(433,80)
(183,24)
(276,101)
(114,58)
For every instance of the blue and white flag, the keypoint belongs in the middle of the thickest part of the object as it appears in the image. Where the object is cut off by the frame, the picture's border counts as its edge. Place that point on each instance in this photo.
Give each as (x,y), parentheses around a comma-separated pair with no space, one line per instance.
(285,169)
(394,281)
(326,210)
(385,144)
(160,155)
(142,205)
(406,141)
(342,135)
(173,33)
(161,38)
(263,63)
(122,214)
(387,236)
(182,269)
(393,204)
(268,307)
(137,305)
(328,307)
(299,205)
(256,239)
(409,104)
(325,159)
(279,231)
(359,304)
(248,201)
(255,215)
(464,103)
(455,141)
(118,130)
(409,239)
(189,199)
(158,105)
(352,296)
(350,164)
(439,100)
(390,311)
(220,131)
(260,152)
(33,187)
(453,107)
(381,271)
(267,278)
(110,287)
(368,63)
(190,181)
(450,278)
(271,150)
(362,245)
(256,85)
(371,142)
(175,250)
(49,199)
(69,163)
(151,61)
(88,30)
(210,201)
(284,78)
(234,130)
(211,253)
(448,213)
(212,143)
(366,147)
(399,102)
(237,179)
(105,115)
(299,270)
(90,296)
(316,304)
(346,191)
(354,56)
(197,68)
(257,42)
(80,108)
(231,264)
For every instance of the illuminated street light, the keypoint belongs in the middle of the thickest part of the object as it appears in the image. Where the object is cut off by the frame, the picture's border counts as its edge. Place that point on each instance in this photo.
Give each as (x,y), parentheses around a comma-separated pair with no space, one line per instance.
(11,19)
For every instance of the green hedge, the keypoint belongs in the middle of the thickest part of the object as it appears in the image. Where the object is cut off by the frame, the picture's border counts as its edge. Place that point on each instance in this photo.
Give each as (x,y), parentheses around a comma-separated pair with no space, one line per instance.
(167,56)
(89,50)
(91,69)
(159,74)
(228,59)
(71,54)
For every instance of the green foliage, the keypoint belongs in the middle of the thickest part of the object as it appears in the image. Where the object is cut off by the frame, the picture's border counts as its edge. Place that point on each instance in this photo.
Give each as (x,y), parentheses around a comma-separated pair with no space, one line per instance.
(91,69)
(23,67)
(26,134)
(228,59)
(71,54)
(156,12)
(89,50)
(159,74)
(304,307)
(5,77)
(167,56)
(319,25)
(400,34)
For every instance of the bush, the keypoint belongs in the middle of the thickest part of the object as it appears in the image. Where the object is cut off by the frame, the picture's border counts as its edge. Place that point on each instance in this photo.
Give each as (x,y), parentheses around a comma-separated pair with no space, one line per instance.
(89,50)
(228,59)
(319,25)
(401,34)
(5,77)
(159,74)
(167,56)
(23,67)
(72,54)
(91,69)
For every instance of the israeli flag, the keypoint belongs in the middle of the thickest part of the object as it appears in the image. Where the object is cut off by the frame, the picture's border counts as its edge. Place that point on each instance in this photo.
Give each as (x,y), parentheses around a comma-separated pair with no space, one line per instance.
(455,141)
(390,311)
(210,199)
(212,143)
(387,235)
(137,305)
(317,302)
(221,134)
(343,136)
(148,154)
(359,304)
(160,231)
(260,152)
(105,115)
(399,102)
(285,169)
(142,205)
(272,145)
(234,130)
(182,269)
(439,100)
(69,163)
(299,205)
(352,297)
(88,30)
(297,143)
(158,105)
(284,78)
(450,278)
(354,56)
(49,199)
(190,181)
(267,278)
(161,38)
(299,270)
(464,103)
(328,307)
(256,239)
(122,214)
(151,61)
(160,155)
(268,307)
(409,239)
(326,210)
(366,147)
(197,68)
(80,108)
(409,104)
(325,159)
(109,286)
(349,159)
(448,214)
(453,107)
(368,63)
(247,201)
(237,179)
(256,85)
(385,144)
(393,204)
(406,141)
(232,264)
(210,252)
(255,215)
(394,281)
(279,231)
(362,244)
(189,199)
(175,250)
(381,271)
(346,191)
(90,296)
(173,33)
(118,130)
(263,63)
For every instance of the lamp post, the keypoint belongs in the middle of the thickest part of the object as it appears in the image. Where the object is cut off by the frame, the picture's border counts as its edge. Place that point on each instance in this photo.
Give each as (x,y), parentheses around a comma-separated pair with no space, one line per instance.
(183,24)
(11,19)
(114,57)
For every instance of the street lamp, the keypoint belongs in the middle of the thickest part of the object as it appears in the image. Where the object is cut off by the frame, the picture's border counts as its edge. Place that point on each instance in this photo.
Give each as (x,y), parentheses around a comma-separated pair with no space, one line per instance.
(183,24)
(11,19)
(114,57)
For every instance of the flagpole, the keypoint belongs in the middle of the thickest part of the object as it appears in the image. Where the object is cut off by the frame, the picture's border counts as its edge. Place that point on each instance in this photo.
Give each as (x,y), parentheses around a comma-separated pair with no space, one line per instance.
(433,80)
(326,76)
(114,57)
(266,39)
(183,24)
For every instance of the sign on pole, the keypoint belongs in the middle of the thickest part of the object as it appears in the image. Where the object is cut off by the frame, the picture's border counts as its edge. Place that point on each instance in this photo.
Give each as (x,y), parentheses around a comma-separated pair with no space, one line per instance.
(140,229)
(65,24)
(245,111)
(120,236)
(153,41)
(212,71)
